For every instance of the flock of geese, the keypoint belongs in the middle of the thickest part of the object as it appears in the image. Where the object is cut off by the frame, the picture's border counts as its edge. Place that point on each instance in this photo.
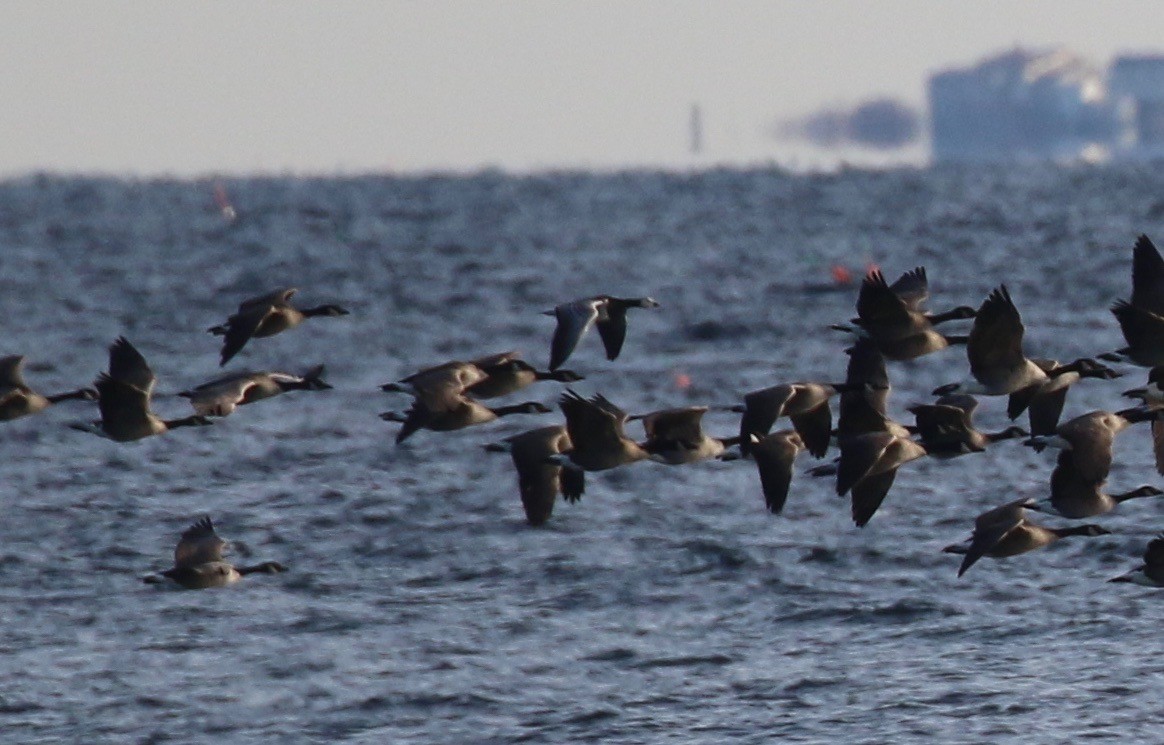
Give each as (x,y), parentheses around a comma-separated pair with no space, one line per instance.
(891,324)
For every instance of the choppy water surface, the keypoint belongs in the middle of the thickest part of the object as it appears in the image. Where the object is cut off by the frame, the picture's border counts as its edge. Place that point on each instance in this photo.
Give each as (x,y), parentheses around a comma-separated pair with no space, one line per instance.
(668,606)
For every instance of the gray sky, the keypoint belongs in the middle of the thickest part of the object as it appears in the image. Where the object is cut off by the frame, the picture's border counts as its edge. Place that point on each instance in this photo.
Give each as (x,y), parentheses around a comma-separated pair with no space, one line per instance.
(204,87)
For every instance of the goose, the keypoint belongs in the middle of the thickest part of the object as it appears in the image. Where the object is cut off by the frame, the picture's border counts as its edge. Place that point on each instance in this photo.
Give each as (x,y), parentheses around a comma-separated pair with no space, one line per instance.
(998,366)
(1142,319)
(806,404)
(1089,437)
(1151,572)
(598,436)
(1074,497)
(892,316)
(124,399)
(868,466)
(540,481)
(199,563)
(17,399)
(265,315)
(447,410)
(774,455)
(1005,531)
(676,436)
(575,319)
(1044,401)
(220,397)
(947,430)
(486,377)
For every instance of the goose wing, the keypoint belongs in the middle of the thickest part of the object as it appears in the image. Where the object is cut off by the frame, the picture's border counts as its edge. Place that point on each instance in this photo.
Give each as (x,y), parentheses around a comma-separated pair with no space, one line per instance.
(12,373)
(1147,277)
(241,326)
(574,320)
(593,423)
(1143,329)
(996,339)
(538,481)
(199,544)
(128,366)
(612,325)
(913,288)
(682,424)
(774,456)
(880,309)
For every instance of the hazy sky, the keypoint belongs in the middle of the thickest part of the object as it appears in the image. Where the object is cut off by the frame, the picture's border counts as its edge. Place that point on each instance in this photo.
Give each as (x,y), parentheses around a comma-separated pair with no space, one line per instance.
(319,87)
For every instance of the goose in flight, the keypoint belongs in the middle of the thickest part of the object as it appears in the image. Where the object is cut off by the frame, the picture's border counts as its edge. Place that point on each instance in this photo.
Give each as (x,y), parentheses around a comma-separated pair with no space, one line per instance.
(199,561)
(265,315)
(575,319)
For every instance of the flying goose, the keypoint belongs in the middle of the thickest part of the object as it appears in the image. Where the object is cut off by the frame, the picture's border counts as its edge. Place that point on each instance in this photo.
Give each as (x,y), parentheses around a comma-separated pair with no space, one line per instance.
(576,317)
(446,409)
(1089,437)
(17,399)
(199,563)
(539,480)
(868,466)
(998,366)
(947,430)
(1074,497)
(774,455)
(597,435)
(892,316)
(124,399)
(1005,531)
(676,436)
(265,315)
(220,397)
(1044,401)
(806,404)
(486,377)
(1151,572)
(1142,319)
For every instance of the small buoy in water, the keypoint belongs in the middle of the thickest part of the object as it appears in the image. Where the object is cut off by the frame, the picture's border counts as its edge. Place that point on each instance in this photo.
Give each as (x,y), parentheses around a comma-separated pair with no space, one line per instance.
(682,381)
(841,274)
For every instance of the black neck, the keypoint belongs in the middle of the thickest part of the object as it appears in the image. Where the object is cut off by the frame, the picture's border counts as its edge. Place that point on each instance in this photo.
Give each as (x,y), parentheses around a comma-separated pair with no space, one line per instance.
(83,393)
(189,421)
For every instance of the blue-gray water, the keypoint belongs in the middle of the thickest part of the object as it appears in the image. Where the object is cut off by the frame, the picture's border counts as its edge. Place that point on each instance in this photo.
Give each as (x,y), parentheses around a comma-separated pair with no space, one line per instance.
(667,606)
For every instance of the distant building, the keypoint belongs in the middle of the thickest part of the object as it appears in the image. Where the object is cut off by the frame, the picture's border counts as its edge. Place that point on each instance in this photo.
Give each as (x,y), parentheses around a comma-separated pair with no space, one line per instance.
(1022,104)
(1137,88)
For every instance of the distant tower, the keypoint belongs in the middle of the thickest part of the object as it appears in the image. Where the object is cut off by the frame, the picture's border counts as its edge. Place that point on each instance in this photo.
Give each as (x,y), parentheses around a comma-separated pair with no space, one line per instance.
(696,130)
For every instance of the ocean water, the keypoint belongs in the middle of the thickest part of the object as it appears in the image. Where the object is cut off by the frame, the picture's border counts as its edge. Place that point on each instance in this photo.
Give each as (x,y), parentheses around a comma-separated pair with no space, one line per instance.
(667,606)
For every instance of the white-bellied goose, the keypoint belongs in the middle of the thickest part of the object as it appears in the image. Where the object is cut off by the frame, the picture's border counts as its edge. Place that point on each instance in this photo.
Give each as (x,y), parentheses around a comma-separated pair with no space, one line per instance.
(1005,531)
(998,366)
(17,399)
(576,317)
(539,480)
(199,561)
(124,399)
(867,467)
(946,427)
(220,397)
(1151,572)
(266,315)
